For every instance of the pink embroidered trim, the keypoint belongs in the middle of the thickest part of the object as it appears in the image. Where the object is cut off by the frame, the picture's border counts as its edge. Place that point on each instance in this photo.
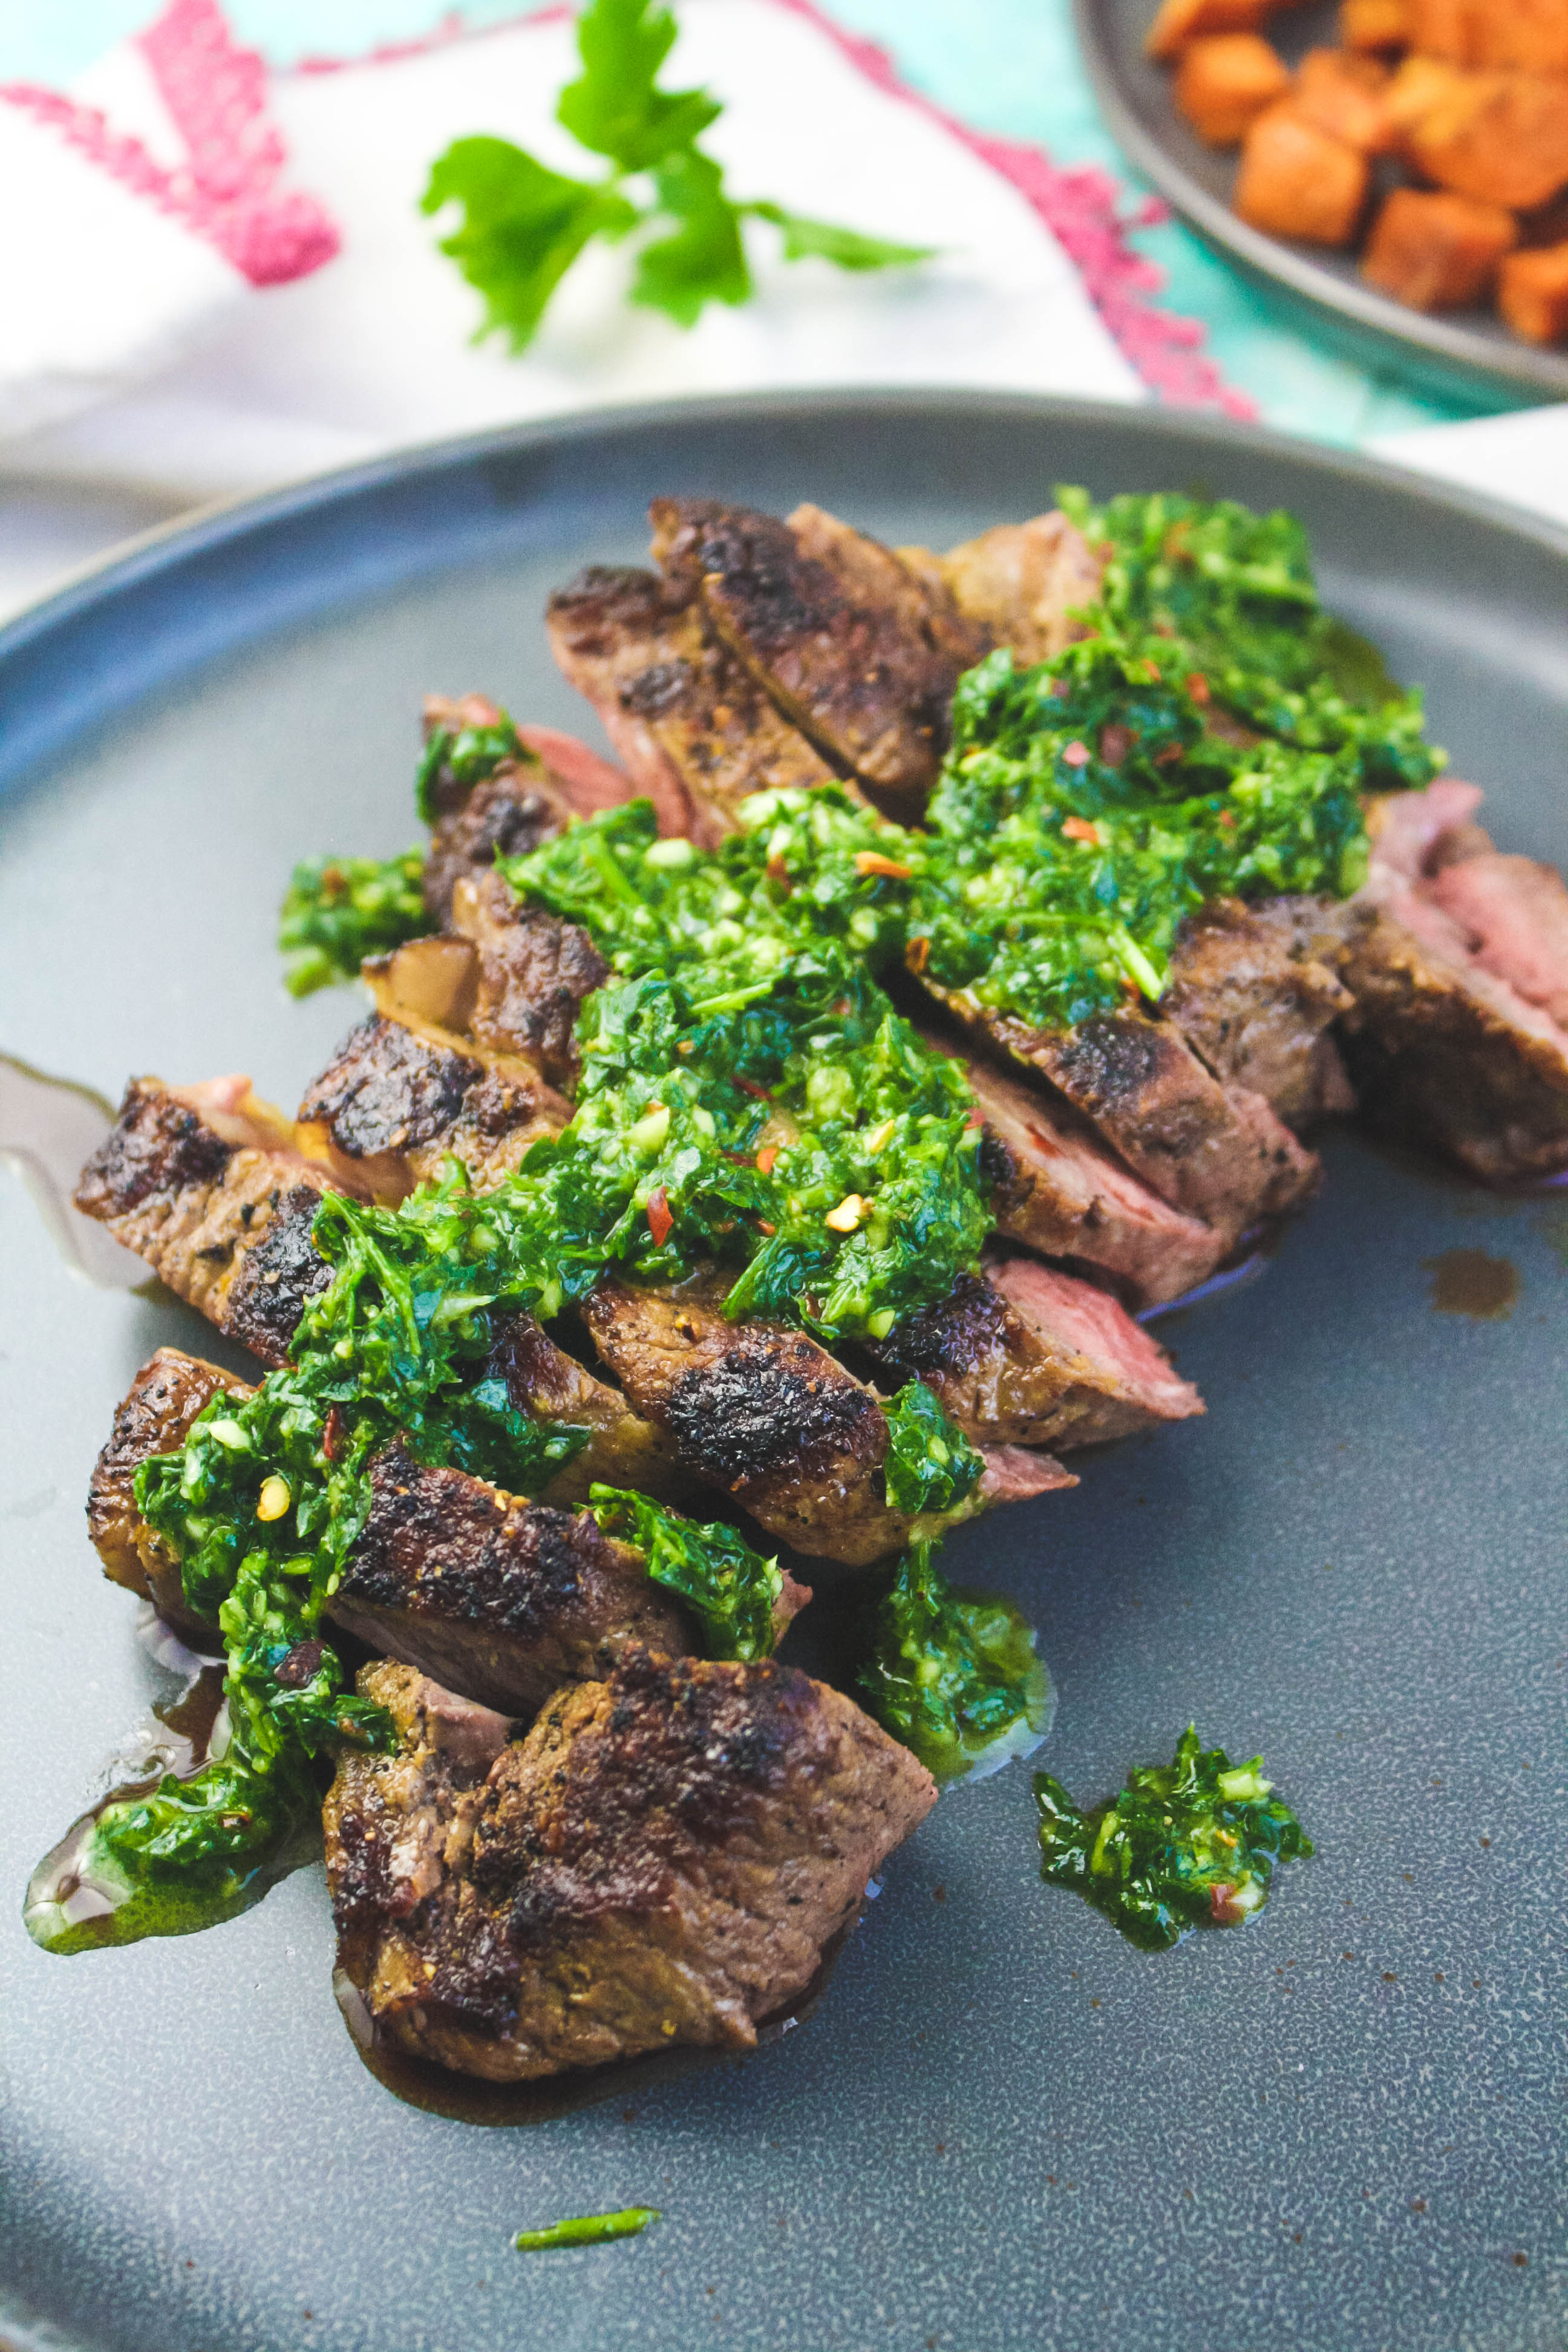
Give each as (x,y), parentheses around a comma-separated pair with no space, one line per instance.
(1080,208)
(228,192)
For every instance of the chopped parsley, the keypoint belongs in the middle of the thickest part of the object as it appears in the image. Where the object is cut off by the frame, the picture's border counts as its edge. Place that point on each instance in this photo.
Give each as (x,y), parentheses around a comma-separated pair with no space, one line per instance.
(731,1588)
(588,2229)
(523,226)
(339,911)
(930,1464)
(954,1674)
(1189,1845)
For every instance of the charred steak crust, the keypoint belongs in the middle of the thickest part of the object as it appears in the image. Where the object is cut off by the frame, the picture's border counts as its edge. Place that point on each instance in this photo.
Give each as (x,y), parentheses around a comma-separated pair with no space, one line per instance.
(662,1859)
(536,971)
(860,654)
(158,1148)
(1255,990)
(386,1089)
(275,1280)
(510,813)
(765,1406)
(153,1417)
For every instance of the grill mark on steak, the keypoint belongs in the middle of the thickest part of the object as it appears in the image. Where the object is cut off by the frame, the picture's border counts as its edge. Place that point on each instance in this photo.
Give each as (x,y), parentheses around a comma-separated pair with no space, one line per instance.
(510,813)
(1020,1354)
(688,719)
(502,1598)
(661,1860)
(226,1226)
(399,1097)
(857,650)
(535,974)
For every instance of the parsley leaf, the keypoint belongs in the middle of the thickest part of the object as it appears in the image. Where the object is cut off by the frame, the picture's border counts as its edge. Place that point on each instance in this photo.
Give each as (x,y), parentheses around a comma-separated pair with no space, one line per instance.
(703,261)
(523,228)
(524,225)
(815,240)
(616,108)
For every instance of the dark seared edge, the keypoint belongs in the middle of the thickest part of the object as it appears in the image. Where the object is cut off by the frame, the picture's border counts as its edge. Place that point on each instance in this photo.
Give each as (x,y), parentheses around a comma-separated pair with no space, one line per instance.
(1255,990)
(534,974)
(153,1417)
(663,1859)
(858,651)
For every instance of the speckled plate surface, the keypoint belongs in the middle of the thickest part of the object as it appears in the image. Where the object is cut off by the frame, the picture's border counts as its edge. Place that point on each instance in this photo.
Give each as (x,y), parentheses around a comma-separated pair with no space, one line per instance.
(1467,350)
(1003,2129)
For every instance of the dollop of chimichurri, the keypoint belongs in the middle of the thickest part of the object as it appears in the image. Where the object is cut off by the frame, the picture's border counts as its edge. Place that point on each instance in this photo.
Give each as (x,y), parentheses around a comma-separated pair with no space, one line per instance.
(1189,1845)
(954,1674)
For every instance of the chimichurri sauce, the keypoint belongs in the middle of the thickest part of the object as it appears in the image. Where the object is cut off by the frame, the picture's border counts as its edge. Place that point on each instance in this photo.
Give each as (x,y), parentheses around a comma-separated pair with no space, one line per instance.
(1189,1845)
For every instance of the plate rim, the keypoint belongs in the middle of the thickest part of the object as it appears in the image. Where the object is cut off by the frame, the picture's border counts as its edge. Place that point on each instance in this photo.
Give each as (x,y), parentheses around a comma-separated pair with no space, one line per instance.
(212,525)
(1519,365)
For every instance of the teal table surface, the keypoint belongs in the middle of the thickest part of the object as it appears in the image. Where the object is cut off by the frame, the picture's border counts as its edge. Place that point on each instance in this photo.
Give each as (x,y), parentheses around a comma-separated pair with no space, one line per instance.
(1007,66)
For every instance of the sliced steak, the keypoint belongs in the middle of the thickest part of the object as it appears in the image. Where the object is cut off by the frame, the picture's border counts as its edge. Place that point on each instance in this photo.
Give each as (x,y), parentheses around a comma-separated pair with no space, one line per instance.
(399,1098)
(623,1450)
(1255,990)
(858,651)
(1455,970)
(695,730)
(534,973)
(503,1598)
(512,811)
(492,1595)
(226,1223)
(1215,1152)
(154,1417)
(1021,583)
(1057,1189)
(662,1860)
(1023,1354)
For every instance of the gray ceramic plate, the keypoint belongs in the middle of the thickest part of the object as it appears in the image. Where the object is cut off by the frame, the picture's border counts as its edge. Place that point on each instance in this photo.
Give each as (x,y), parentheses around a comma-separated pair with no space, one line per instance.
(1469,352)
(1004,2128)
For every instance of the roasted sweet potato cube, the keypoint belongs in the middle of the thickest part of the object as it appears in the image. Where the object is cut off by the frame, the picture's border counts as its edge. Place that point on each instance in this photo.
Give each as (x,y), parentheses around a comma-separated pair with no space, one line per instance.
(1533,293)
(1343,95)
(1418,88)
(1531,33)
(1435,251)
(1499,136)
(1298,181)
(1181,21)
(1224,83)
(1375,24)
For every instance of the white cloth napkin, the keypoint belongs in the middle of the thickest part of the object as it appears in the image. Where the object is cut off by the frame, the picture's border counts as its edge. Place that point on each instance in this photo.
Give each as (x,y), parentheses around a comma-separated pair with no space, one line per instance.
(194,382)
(1522,458)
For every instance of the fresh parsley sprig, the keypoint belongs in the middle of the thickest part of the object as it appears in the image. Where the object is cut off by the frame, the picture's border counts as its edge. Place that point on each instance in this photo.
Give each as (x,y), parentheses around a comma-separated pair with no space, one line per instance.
(524,225)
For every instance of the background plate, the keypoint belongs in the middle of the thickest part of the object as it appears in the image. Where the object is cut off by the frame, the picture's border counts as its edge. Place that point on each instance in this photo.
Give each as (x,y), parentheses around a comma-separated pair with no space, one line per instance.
(1005,2127)
(1469,350)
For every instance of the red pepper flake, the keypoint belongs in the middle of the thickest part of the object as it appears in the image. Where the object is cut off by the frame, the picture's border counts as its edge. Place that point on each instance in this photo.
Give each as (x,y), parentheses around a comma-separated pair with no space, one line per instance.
(763,1227)
(660,1220)
(841,1008)
(976,1117)
(1168,756)
(766,1158)
(1199,687)
(750,1087)
(1077,755)
(1078,828)
(1115,742)
(1153,672)
(777,871)
(1228,818)
(918,954)
(872,861)
(333,1434)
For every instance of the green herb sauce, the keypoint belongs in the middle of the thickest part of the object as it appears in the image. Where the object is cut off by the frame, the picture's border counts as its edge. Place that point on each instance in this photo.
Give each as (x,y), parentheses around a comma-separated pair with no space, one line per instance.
(339,911)
(1190,1844)
(954,1674)
(588,2229)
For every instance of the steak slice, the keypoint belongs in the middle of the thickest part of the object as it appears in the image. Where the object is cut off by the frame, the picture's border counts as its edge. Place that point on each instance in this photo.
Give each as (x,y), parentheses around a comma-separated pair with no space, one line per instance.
(1058,1190)
(225,1222)
(1215,1152)
(1455,970)
(1255,990)
(520,804)
(154,1417)
(534,973)
(858,651)
(504,1598)
(399,1098)
(492,1595)
(663,1859)
(1020,582)
(768,1417)
(695,730)
(1023,1354)
(623,1449)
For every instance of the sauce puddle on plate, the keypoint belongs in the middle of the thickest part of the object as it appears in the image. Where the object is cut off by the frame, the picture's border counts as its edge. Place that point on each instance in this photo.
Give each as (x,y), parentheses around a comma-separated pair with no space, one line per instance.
(1468,1282)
